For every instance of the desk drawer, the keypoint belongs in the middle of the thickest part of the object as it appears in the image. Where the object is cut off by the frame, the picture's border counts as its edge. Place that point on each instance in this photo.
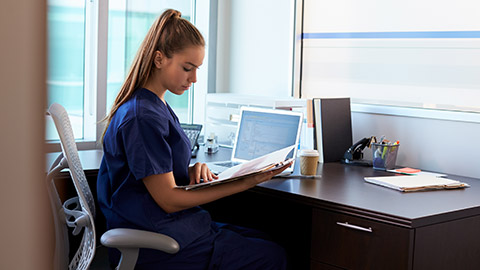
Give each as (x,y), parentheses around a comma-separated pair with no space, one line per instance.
(355,243)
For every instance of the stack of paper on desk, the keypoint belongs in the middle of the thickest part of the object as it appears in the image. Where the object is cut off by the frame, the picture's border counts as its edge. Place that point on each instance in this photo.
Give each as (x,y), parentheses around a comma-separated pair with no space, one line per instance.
(408,183)
(256,166)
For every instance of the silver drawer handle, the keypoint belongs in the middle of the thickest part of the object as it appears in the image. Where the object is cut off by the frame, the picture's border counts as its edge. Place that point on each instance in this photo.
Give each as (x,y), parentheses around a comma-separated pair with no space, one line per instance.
(355,227)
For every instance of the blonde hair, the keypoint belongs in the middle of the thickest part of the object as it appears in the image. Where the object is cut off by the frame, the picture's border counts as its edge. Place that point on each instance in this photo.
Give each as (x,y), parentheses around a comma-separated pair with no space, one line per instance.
(169,34)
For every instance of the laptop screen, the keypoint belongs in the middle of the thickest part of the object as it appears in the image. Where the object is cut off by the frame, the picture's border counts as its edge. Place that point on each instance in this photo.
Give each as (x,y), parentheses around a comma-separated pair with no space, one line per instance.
(262,131)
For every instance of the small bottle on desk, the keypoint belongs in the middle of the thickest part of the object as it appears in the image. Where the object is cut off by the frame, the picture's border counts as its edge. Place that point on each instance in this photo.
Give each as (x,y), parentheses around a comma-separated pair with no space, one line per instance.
(211,145)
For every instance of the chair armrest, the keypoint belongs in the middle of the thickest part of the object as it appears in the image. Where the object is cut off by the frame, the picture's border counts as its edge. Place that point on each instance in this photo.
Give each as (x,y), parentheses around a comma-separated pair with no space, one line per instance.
(131,238)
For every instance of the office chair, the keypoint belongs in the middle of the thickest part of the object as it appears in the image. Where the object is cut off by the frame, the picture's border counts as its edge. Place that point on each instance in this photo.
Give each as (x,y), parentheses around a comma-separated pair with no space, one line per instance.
(78,213)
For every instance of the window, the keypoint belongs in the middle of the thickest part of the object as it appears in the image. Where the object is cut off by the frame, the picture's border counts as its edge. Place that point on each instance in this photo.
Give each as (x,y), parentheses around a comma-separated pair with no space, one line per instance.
(412,54)
(66,51)
(129,22)
(74,72)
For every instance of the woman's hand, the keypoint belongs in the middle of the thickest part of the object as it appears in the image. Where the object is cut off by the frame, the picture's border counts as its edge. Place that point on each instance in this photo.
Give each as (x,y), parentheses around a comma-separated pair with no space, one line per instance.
(200,171)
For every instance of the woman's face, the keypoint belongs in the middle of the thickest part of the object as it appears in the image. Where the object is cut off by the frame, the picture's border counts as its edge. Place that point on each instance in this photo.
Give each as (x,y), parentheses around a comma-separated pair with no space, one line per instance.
(179,72)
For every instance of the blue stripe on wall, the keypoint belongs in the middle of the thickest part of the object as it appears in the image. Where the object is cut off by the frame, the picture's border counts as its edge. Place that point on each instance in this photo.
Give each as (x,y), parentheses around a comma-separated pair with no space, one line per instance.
(426,34)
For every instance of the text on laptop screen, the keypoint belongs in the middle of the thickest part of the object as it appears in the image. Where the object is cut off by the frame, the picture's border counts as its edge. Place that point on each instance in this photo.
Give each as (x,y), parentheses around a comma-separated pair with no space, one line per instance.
(261,133)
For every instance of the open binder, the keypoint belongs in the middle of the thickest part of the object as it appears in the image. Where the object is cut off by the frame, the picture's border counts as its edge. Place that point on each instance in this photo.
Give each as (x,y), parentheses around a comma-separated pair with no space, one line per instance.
(409,183)
(253,167)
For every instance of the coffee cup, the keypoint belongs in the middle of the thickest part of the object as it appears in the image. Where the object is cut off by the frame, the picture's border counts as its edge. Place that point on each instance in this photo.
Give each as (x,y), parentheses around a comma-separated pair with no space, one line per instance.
(308,162)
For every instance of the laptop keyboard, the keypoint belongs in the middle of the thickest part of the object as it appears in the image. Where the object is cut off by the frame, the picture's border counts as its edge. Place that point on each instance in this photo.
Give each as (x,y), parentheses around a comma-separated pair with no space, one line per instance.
(227,164)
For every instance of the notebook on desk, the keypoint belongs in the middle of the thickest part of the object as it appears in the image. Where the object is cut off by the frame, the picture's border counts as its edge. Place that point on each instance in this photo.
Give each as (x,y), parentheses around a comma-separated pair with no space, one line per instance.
(262,131)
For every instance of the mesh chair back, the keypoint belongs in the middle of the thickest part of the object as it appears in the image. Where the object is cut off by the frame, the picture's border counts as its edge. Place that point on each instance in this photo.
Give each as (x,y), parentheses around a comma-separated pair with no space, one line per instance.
(79,211)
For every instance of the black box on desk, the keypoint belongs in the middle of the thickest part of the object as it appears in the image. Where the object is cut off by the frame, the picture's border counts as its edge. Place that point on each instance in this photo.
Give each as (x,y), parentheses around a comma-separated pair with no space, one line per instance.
(333,127)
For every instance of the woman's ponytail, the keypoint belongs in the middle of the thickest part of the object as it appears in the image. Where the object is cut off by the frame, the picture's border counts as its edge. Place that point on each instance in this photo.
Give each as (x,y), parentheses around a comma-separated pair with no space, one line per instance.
(169,34)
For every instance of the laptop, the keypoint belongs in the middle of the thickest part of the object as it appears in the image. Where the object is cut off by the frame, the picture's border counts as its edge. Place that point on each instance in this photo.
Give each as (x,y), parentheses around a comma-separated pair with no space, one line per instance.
(262,131)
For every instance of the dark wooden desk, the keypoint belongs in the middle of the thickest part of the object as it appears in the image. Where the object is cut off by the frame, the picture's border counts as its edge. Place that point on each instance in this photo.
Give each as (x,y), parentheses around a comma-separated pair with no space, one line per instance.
(311,218)
(420,230)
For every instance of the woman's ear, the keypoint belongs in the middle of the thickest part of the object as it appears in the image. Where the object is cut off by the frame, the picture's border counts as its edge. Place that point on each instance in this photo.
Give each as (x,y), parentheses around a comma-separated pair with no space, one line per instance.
(158,59)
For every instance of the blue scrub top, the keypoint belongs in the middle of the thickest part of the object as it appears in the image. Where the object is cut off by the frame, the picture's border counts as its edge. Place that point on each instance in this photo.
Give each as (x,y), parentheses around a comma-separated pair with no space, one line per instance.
(145,138)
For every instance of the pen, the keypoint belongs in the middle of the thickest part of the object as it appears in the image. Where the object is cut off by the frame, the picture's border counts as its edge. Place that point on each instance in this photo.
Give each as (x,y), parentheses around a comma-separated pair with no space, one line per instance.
(384,152)
(381,139)
(394,147)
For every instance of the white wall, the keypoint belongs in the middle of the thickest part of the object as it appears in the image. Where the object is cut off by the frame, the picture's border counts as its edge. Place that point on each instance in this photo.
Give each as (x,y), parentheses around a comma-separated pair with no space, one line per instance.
(255,47)
(403,54)
(436,145)
(26,228)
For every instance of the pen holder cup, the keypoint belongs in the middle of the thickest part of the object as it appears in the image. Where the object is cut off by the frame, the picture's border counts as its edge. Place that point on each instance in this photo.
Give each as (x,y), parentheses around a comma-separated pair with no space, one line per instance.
(384,156)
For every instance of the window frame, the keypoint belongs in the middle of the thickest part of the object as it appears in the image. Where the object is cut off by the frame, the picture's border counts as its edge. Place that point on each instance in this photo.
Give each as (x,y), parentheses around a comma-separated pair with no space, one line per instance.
(96,26)
(96,70)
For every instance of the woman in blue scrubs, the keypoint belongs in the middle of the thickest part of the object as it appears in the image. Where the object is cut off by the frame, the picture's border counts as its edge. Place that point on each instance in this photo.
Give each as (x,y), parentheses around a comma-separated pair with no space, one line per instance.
(147,154)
